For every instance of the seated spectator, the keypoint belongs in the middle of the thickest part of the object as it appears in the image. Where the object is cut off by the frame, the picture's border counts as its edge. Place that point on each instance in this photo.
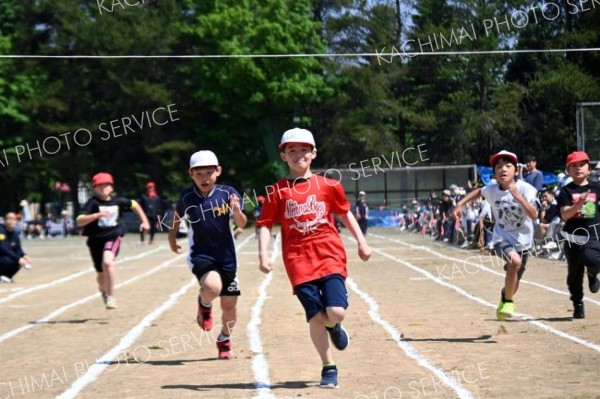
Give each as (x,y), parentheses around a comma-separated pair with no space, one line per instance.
(69,226)
(403,218)
(12,257)
(563,180)
(55,226)
(550,224)
(36,228)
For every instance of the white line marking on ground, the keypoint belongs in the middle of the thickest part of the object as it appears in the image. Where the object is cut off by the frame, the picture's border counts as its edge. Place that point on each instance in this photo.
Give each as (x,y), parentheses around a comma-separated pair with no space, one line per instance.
(97,368)
(524,317)
(260,366)
(405,346)
(72,276)
(61,310)
(129,339)
(480,266)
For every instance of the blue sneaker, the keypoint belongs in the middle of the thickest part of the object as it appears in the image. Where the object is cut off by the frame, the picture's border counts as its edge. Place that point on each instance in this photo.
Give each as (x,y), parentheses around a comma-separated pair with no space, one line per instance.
(329,377)
(339,336)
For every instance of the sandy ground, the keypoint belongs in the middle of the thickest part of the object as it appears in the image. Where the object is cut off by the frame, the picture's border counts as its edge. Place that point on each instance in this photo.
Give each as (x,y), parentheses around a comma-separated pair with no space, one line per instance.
(56,337)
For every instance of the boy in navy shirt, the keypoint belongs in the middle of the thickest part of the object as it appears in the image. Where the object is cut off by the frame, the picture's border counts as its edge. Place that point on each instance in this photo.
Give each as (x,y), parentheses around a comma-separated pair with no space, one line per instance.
(206,206)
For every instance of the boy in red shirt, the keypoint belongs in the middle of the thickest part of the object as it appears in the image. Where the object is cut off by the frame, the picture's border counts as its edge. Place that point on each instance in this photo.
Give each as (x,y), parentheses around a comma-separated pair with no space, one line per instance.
(313,252)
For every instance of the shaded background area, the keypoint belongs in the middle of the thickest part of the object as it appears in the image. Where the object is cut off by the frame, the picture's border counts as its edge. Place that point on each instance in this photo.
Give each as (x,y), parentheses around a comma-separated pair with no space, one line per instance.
(461,108)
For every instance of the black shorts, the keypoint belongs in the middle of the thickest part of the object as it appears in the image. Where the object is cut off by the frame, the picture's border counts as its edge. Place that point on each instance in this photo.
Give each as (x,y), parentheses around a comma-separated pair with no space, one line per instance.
(229,280)
(98,246)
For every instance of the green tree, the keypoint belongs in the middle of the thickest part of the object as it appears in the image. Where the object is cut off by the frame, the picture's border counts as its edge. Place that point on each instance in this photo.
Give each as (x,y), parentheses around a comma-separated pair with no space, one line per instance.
(249,102)
(76,94)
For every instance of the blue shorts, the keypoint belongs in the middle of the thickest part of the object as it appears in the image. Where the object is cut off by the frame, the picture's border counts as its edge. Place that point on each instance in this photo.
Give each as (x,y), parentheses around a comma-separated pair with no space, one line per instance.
(319,294)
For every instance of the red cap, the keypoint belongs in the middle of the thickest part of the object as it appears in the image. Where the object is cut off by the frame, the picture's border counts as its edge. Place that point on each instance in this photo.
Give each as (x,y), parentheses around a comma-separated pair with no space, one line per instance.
(577,156)
(150,184)
(102,178)
(260,198)
(503,154)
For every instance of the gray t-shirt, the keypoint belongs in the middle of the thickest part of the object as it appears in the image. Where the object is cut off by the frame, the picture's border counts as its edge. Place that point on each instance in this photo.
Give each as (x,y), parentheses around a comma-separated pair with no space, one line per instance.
(512,223)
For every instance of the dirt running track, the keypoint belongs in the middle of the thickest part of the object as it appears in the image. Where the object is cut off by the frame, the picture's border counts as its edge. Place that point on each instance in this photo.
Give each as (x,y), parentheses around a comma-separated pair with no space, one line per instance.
(57,339)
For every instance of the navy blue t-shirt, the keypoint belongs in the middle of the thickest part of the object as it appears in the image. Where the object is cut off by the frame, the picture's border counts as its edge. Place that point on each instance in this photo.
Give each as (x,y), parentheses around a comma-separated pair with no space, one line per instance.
(10,246)
(210,234)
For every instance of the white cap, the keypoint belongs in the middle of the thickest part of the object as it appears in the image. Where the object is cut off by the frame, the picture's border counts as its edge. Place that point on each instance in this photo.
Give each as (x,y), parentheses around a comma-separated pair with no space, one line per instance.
(297,135)
(362,193)
(203,158)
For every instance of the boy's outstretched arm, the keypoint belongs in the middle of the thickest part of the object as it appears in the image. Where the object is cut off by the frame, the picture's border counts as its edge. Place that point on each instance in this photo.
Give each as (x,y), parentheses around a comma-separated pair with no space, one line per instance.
(172,236)
(264,239)
(83,220)
(473,195)
(364,251)
(137,209)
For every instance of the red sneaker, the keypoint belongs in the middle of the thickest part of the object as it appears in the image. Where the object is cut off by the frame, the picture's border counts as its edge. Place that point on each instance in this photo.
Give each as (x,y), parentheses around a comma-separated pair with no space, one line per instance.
(224,348)
(204,317)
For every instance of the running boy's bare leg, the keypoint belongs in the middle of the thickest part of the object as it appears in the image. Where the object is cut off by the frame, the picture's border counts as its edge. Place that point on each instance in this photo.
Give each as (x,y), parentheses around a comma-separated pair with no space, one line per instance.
(210,287)
(319,337)
(511,281)
(335,315)
(101,283)
(109,272)
(228,306)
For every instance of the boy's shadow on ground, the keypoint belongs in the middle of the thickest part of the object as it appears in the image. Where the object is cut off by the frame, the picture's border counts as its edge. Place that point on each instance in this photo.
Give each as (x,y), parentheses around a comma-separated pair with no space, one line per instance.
(483,339)
(74,321)
(552,319)
(177,362)
(244,385)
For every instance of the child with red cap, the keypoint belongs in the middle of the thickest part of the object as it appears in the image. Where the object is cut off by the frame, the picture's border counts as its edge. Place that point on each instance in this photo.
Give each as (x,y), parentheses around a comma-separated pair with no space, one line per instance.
(578,202)
(100,218)
(152,205)
(313,252)
(513,204)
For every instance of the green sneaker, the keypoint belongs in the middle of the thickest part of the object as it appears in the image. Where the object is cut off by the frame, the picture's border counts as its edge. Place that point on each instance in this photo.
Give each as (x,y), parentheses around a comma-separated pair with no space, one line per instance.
(505,310)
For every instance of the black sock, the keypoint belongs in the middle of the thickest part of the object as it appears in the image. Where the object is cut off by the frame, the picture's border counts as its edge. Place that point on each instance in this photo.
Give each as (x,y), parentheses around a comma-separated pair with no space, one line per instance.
(504,297)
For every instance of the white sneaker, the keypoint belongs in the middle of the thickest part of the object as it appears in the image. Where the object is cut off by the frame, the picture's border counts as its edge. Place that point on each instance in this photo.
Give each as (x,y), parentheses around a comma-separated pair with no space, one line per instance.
(111,302)
(554,256)
(4,279)
(550,245)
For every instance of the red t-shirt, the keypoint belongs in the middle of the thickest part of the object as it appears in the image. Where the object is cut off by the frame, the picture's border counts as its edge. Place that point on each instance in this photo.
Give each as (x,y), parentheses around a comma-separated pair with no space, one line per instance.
(312,247)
